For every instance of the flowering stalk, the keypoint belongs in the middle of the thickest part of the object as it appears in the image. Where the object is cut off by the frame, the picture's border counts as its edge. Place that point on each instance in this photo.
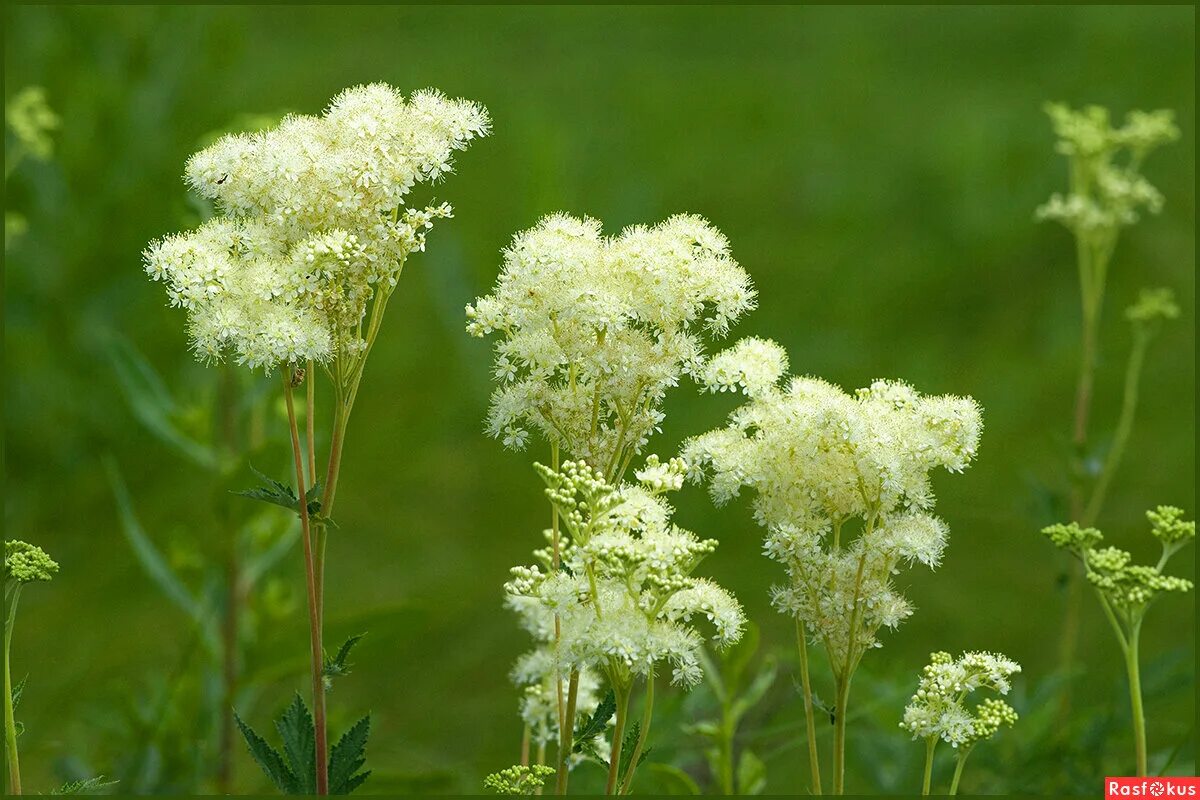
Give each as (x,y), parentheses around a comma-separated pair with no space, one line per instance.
(296,270)
(821,460)
(594,331)
(1106,193)
(23,563)
(1126,591)
(939,711)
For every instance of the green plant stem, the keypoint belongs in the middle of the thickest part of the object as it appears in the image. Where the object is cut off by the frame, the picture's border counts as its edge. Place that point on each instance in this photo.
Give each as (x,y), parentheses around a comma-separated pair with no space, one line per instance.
(618,736)
(647,713)
(814,760)
(526,737)
(1135,698)
(1129,404)
(314,616)
(930,746)
(10,722)
(839,734)
(958,768)
(226,436)
(567,734)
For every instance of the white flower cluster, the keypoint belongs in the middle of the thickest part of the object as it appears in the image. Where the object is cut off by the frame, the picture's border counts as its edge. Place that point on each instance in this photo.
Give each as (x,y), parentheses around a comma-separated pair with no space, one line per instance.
(625,597)
(1107,189)
(826,465)
(537,672)
(311,226)
(595,329)
(939,710)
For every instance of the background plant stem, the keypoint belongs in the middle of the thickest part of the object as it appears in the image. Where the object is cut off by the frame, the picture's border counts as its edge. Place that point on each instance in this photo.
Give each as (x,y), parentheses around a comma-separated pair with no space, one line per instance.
(10,722)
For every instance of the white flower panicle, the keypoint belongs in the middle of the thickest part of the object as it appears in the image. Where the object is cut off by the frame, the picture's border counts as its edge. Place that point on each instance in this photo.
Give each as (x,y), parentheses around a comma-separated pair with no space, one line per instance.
(595,329)
(625,596)
(939,709)
(311,226)
(825,464)
(537,673)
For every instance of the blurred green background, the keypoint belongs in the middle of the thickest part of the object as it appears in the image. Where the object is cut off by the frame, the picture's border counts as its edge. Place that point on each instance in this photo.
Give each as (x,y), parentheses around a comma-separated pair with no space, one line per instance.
(876,172)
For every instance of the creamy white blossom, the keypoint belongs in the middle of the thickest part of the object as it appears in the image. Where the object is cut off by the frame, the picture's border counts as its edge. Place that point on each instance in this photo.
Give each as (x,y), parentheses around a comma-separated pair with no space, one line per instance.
(939,709)
(626,599)
(311,227)
(841,484)
(595,329)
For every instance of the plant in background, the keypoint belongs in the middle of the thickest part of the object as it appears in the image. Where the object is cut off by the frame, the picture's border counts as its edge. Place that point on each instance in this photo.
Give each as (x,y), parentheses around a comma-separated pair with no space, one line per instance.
(1106,193)
(737,687)
(296,270)
(624,595)
(939,711)
(842,486)
(1127,590)
(28,121)
(23,564)
(594,331)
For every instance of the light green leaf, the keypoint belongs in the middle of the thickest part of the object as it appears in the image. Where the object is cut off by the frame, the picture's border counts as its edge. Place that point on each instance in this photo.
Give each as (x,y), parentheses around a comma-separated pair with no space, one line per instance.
(151,402)
(751,773)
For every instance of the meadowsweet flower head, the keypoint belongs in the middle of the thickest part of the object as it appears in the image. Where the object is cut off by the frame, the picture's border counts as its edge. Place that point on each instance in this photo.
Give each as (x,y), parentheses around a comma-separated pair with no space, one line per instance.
(1153,305)
(1108,191)
(842,486)
(625,598)
(29,116)
(312,225)
(518,780)
(26,563)
(939,709)
(1168,525)
(1128,586)
(595,329)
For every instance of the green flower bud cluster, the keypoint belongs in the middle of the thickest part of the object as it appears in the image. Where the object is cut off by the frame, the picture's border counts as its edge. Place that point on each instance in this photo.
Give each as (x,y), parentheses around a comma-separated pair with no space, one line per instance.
(26,563)
(518,780)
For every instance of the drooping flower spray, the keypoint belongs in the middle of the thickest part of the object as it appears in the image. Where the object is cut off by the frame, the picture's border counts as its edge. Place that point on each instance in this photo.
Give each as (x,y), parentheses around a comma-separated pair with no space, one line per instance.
(842,486)
(594,331)
(296,270)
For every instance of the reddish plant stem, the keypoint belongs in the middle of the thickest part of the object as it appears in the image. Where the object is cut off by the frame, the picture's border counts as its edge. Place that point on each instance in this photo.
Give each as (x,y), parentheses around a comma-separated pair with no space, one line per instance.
(314,615)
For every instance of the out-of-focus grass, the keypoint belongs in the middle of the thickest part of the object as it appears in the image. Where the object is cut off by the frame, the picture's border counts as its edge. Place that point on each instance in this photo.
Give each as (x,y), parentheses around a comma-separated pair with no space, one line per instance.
(876,171)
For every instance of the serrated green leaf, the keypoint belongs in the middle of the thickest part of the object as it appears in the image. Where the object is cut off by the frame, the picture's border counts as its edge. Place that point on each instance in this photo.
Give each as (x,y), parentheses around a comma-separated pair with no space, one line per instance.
(337,666)
(280,494)
(269,759)
(85,786)
(299,744)
(822,706)
(17,691)
(348,756)
(595,724)
(751,773)
(628,745)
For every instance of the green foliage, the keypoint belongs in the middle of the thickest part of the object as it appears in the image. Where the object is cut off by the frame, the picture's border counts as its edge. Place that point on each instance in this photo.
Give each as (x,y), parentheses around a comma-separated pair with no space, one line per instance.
(627,747)
(348,757)
(593,726)
(293,771)
(96,785)
(338,666)
(280,494)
